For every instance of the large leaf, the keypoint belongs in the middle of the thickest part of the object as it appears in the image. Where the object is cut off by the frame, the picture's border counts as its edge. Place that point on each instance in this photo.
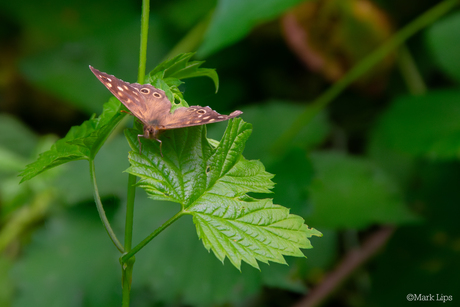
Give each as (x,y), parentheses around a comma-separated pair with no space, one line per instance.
(211,184)
(444,46)
(234,19)
(350,192)
(425,125)
(81,142)
(194,275)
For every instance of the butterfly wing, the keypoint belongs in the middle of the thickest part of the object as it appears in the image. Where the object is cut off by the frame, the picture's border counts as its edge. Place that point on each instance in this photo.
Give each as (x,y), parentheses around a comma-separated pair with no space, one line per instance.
(145,101)
(152,107)
(194,116)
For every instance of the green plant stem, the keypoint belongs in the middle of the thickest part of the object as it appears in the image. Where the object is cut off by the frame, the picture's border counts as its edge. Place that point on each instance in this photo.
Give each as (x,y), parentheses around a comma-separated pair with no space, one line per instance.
(127,273)
(188,43)
(100,208)
(144,242)
(144,39)
(126,291)
(410,72)
(127,268)
(360,69)
(130,212)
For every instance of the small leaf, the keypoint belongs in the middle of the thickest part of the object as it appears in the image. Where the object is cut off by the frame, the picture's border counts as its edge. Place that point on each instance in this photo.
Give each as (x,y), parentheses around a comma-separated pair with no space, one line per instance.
(179,67)
(211,184)
(81,142)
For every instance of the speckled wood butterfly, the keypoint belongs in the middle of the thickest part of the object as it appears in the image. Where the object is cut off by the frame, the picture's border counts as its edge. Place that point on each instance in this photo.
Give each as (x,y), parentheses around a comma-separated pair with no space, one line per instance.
(151,106)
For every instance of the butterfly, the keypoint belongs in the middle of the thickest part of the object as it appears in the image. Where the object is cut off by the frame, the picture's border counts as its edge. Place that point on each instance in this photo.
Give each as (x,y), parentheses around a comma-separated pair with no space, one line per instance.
(151,106)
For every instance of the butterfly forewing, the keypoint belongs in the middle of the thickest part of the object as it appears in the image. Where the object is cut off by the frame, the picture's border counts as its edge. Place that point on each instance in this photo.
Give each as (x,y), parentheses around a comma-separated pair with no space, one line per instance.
(126,92)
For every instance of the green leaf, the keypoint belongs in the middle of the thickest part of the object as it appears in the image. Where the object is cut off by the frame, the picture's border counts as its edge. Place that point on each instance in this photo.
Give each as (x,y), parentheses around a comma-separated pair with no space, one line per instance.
(81,142)
(211,184)
(193,274)
(444,46)
(234,19)
(350,192)
(180,67)
(425,125)
(16,136)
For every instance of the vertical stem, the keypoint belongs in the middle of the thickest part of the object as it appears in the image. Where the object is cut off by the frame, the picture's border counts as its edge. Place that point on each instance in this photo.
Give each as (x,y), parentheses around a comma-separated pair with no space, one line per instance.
(127,268)
(144,37)
(130,212)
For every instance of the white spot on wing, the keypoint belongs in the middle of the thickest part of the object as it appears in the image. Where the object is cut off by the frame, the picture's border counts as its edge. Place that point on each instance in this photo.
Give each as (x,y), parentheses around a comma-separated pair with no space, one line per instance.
(120,88)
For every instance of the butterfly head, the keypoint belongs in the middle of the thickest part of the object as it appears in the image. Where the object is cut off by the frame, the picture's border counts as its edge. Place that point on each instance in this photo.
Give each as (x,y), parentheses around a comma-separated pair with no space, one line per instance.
(152,131)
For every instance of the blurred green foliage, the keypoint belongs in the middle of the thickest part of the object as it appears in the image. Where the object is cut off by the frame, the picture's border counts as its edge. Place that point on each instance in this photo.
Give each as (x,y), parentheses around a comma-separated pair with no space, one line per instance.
(370,158)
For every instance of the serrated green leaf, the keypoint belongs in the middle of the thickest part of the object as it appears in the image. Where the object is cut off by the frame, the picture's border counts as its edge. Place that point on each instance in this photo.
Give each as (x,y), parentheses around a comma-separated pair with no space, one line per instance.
(248,229)
(81,142)
(180,67)
(194,274)
(211,184)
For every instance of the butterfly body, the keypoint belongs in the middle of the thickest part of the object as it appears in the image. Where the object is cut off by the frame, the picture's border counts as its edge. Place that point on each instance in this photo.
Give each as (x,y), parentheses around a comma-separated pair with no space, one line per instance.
(151,106)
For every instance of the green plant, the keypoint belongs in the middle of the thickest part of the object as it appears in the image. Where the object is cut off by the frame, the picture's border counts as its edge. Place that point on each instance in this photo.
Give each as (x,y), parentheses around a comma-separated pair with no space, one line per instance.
(209,179)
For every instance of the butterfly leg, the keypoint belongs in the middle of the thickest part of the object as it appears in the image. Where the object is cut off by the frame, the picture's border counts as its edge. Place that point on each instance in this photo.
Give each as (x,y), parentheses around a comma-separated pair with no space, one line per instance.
(123,111)
(161,143)
(140,144)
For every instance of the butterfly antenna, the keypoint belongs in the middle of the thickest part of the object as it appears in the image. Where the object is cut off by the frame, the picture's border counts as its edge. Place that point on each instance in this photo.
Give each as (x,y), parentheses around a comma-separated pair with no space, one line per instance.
(123,111)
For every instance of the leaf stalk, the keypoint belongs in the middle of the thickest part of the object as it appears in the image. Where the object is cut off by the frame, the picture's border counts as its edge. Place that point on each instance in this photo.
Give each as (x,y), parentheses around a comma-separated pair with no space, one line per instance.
(100,208)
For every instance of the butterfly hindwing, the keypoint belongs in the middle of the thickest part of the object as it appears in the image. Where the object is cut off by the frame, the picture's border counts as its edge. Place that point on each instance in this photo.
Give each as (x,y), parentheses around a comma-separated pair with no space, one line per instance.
(194,116)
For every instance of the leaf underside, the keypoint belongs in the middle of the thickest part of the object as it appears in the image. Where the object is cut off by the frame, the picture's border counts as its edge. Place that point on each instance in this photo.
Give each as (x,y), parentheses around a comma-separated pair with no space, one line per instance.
(211,184)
